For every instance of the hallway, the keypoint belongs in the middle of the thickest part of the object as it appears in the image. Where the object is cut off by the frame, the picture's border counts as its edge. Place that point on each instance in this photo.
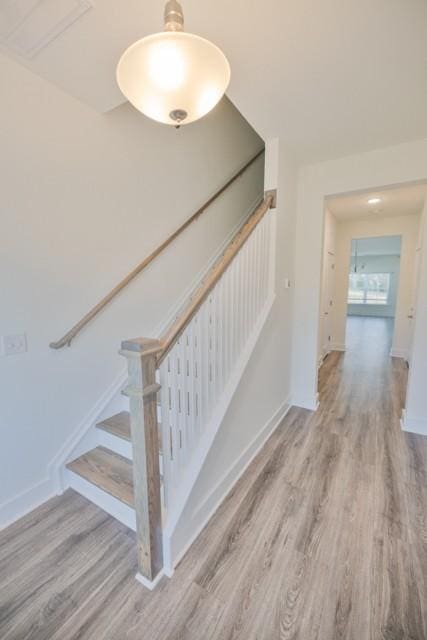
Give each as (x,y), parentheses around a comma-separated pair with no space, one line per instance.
(324,537)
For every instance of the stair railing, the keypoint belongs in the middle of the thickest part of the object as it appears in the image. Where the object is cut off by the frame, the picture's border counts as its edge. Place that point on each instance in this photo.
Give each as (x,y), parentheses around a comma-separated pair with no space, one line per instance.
(72,333)
(194,365)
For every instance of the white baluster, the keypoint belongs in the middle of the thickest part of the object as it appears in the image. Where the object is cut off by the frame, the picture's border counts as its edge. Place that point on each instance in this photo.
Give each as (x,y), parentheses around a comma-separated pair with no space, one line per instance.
(198,367)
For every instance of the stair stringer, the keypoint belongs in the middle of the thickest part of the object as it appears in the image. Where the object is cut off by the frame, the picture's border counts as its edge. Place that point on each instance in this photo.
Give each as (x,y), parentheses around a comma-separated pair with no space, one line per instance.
(84,438)
(179,499)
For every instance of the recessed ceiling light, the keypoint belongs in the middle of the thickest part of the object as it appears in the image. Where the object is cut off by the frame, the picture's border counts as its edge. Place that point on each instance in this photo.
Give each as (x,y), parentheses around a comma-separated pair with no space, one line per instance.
(374,200)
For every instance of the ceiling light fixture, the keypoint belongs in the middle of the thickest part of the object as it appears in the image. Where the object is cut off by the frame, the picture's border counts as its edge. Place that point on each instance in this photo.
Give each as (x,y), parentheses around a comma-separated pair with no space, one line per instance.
(173,77)
(374,200)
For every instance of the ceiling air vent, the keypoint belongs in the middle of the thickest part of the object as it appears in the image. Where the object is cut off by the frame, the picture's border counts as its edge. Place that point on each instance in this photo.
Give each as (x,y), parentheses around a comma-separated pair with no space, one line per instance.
(27,26)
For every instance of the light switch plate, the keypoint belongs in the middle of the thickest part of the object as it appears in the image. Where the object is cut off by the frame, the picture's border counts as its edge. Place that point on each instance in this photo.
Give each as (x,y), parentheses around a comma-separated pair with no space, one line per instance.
(14,344)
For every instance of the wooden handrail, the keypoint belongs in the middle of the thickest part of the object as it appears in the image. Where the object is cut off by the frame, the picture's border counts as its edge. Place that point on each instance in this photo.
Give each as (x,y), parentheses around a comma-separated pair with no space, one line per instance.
(144,356)
(172,334)
(71,334)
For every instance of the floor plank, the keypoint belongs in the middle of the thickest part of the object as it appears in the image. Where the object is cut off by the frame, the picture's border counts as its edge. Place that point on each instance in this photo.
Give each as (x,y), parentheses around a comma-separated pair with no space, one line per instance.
(323,538)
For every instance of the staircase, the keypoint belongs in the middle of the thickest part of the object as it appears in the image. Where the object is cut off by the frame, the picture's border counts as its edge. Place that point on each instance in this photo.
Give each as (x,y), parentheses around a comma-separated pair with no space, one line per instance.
(146,460)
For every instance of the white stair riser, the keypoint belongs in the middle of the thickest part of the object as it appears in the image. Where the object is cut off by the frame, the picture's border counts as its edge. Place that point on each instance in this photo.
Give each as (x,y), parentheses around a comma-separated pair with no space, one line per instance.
(116,508)
(120,446)
(114,443)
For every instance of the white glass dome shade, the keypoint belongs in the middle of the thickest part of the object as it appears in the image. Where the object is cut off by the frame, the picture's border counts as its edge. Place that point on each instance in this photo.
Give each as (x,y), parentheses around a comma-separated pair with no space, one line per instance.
(173,77)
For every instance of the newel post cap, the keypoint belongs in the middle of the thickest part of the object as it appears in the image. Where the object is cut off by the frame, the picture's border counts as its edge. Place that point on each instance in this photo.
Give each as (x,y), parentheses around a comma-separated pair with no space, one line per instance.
(140,347)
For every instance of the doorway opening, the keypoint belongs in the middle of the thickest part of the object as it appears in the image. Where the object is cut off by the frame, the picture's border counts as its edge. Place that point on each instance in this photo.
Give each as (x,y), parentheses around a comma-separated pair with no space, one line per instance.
(371,248)
(373,284)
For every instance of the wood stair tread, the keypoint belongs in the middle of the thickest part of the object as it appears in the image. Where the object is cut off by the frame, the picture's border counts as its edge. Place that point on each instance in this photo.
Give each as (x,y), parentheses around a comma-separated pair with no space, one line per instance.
(119,425)
(107,470)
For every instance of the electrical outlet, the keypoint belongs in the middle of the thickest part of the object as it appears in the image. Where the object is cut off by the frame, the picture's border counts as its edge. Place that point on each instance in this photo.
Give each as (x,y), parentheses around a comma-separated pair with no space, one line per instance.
(14,344)
(287,283)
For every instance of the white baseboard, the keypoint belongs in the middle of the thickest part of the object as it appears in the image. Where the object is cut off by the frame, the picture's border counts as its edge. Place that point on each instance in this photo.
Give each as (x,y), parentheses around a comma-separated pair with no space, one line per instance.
(222,488)
(338,346)
(399,353)
(26,501)
(149,584)
(310,403)
(413,425)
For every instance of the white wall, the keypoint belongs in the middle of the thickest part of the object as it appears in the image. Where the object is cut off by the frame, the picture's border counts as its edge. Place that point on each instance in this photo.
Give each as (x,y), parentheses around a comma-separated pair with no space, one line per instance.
(408,228)
(264,393)
(378,264)
(415,418)
(84,198)
(383,167)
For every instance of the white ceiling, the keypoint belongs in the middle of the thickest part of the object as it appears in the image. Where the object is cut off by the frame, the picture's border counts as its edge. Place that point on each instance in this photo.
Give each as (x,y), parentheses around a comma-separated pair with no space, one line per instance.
(329,78)
(398,201)
(385,246)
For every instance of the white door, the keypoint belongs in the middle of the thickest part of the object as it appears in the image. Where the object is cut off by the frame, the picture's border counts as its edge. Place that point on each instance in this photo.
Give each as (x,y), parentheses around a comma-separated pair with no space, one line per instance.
(328,301)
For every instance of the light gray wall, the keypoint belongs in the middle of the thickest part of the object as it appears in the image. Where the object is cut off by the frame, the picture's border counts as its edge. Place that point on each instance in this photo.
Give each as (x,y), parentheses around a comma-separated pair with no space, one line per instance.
(84,198)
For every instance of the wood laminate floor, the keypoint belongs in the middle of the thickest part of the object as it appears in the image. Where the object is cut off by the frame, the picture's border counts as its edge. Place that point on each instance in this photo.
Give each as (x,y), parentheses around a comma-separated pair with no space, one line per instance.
(324,537)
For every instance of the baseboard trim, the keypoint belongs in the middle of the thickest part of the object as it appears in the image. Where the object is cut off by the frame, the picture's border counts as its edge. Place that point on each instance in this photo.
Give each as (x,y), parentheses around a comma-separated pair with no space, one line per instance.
(312,404)
(229,478)
(399,353)
(25,502)
(149,584)
(338,346)
(413,425)
(248,453)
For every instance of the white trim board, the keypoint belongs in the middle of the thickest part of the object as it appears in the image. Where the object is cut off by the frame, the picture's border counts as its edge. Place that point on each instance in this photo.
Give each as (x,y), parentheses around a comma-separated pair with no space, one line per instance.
(337,346)
(179,500)
(312,404)
(149,584)
(26,501)
(414,425)
(225,484)
(399,353)
(102,499)
(114,443)
(194,468)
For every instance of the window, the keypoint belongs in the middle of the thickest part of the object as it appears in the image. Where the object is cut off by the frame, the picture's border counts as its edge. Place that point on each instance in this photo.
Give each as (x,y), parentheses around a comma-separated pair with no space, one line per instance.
(369,288)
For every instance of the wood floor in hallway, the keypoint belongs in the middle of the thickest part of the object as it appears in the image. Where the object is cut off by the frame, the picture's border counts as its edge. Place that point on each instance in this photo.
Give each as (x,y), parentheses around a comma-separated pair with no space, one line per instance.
(324,537)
